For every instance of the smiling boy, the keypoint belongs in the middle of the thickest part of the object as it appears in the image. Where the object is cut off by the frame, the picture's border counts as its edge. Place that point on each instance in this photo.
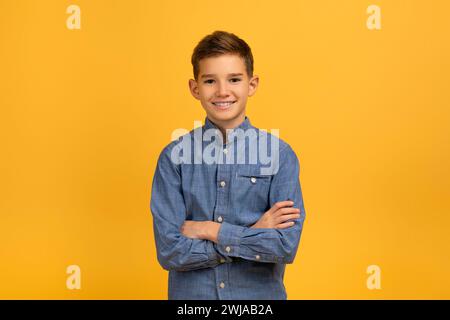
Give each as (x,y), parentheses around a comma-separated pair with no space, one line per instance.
(226,226)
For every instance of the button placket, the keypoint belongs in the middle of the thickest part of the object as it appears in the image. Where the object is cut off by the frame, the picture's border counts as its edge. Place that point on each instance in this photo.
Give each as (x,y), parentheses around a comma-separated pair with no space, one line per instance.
(222,198)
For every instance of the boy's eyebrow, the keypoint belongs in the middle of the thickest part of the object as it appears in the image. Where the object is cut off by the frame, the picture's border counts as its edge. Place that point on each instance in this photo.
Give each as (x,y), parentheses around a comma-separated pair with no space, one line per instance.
(230,74)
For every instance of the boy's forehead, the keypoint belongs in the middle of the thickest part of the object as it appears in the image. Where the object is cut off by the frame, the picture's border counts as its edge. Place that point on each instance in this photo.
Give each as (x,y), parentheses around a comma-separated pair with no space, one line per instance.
(222,65)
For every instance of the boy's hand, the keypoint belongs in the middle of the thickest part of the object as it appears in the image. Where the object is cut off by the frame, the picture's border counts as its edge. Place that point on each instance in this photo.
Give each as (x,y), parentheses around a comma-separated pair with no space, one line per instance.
(206,230)
(277,216)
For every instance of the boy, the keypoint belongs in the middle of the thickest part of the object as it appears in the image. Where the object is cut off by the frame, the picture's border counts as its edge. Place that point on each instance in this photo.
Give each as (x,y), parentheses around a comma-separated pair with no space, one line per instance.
(225,225)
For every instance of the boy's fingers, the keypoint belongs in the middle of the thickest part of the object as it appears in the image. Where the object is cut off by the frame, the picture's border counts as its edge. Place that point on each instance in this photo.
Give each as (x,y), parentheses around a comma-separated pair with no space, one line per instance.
(288,210)
(284,225)
(281,204)
(287,217)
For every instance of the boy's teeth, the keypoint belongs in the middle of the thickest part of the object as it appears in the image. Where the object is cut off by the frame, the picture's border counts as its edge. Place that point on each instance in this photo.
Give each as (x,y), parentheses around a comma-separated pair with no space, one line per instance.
(222,104)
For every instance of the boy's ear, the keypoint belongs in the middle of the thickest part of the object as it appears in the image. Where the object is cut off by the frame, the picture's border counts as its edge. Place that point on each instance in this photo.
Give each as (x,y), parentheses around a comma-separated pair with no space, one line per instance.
(193,87)
(253,85)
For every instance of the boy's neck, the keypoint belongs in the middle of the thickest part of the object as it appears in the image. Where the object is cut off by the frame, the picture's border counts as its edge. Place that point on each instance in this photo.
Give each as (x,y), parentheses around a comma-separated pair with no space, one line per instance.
(227,125)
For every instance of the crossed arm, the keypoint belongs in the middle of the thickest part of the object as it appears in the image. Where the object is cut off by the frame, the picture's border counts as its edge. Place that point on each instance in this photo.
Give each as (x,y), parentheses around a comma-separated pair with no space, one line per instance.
(190,245)
(275,218)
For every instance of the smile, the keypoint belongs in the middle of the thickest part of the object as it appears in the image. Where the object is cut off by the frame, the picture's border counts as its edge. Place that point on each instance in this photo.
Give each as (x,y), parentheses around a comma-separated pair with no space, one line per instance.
(224,104)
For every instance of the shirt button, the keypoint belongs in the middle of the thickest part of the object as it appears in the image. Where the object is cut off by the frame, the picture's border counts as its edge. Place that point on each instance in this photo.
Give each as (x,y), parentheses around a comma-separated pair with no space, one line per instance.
(225,151)
(222,184)
(222,285)
(253,179)
(227,249)
(220,219)
(257,257)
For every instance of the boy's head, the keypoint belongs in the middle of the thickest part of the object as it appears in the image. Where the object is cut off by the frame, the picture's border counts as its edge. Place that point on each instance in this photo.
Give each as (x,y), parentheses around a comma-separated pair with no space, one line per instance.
(223,72)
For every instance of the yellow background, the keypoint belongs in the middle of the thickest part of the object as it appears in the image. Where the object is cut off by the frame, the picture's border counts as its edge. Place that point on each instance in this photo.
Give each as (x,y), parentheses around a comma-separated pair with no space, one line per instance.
(85,114)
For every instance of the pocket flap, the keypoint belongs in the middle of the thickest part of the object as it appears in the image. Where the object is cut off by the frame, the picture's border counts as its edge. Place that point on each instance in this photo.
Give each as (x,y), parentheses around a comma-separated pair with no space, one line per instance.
(252,171)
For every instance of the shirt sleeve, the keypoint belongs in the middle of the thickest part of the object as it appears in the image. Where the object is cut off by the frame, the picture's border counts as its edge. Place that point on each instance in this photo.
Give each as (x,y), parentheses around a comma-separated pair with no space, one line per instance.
(174,250)
(269,245)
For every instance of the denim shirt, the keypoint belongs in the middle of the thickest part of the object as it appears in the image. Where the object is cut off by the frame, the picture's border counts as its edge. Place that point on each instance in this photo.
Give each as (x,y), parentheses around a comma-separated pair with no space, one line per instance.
(246,263)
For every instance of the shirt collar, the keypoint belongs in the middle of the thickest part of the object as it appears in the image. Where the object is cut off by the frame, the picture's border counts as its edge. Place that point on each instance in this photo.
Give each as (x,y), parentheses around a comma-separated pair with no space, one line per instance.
(244,125)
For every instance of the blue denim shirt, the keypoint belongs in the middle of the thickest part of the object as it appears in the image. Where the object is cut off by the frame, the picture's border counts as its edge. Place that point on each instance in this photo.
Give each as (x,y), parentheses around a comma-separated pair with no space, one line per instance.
(246,263)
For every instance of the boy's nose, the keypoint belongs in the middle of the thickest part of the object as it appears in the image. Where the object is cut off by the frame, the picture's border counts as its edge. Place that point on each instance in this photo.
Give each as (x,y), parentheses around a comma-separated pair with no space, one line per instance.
(222,90)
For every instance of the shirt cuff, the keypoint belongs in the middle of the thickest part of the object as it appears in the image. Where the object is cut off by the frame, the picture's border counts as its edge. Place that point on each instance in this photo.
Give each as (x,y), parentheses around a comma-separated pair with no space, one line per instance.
(214,254)
(229,239)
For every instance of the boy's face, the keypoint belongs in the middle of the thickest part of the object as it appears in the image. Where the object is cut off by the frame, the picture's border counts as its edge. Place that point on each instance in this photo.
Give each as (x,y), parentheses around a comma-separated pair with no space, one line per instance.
(222,88)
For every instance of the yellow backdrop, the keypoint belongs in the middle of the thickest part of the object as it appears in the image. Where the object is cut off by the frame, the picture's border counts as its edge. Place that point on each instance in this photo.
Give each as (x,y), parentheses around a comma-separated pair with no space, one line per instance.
(85,113)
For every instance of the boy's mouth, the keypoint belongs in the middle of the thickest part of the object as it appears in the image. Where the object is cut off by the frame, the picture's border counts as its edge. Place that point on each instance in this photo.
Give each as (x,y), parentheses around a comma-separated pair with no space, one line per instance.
(223,104)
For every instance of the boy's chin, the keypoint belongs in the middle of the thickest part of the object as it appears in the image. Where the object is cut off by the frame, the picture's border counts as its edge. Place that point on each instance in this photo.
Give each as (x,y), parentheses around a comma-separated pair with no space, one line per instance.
(222,116)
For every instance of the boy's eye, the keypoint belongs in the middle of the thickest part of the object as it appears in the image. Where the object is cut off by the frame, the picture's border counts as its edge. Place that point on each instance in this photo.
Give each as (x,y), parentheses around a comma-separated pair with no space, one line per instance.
(232,80)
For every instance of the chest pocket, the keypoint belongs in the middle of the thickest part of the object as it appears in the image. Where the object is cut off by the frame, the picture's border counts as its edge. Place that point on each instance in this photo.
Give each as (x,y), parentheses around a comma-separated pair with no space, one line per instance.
(254,187)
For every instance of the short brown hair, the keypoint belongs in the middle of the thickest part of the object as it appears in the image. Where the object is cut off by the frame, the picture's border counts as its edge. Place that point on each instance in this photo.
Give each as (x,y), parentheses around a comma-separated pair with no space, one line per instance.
(218,43)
